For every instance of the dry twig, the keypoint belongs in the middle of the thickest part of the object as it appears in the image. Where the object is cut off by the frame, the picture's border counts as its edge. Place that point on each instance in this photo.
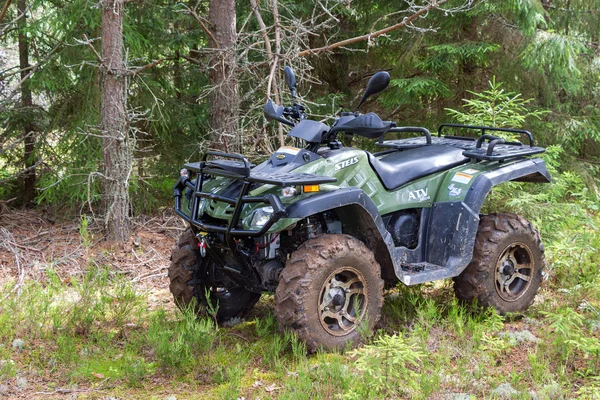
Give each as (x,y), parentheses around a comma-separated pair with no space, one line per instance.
(373,35)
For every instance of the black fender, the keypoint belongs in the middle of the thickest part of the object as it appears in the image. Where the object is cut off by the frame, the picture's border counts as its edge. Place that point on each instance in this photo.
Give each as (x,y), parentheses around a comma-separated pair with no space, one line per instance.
(360,218)
(453,225)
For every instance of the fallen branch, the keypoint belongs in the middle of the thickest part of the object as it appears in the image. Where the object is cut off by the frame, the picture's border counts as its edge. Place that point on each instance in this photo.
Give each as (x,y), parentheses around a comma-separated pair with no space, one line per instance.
(8,244)
(373,35)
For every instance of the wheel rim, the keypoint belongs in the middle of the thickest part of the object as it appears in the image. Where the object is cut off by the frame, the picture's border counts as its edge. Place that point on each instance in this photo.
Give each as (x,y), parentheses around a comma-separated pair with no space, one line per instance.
(343,301)
(514,272)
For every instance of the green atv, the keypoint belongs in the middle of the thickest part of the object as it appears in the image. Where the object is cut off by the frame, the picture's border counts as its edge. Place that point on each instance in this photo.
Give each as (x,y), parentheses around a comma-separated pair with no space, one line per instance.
(325,226)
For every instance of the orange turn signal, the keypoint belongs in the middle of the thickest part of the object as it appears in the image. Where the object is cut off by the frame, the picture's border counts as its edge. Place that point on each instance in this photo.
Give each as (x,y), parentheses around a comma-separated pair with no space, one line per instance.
(310,188)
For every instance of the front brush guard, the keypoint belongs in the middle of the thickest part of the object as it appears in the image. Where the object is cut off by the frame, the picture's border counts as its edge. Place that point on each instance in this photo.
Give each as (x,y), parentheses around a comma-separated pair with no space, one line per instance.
(240,170)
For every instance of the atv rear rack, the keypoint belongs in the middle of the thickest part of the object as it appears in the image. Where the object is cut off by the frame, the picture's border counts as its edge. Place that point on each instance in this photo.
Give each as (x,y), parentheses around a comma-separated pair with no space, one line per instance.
(238,170)
(496,149)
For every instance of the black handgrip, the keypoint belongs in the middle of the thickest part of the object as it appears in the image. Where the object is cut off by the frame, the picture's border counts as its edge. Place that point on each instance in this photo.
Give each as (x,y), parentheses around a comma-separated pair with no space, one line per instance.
(414,129)
(482,139)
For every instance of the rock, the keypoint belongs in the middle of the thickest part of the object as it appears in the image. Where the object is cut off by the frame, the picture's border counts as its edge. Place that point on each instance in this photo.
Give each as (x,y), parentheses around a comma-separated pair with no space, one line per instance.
(171,398)
(18,344)
(4,390)
(22,383)
(505,391)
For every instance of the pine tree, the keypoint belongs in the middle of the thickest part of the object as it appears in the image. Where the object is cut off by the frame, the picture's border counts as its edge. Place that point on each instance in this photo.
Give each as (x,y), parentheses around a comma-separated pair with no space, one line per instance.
(115,130)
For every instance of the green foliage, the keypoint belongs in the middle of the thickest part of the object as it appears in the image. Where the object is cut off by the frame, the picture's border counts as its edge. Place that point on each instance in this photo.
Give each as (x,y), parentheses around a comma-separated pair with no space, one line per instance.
(495,107)
(466,53)
(528,14)
(177,344)
(414,90)
(556,56)
(384,364)
(571,336)
(86,237)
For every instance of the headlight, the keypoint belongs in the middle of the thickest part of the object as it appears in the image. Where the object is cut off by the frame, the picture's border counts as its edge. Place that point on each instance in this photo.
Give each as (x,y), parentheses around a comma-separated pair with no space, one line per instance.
(201,207)
(261,216)
(288,192)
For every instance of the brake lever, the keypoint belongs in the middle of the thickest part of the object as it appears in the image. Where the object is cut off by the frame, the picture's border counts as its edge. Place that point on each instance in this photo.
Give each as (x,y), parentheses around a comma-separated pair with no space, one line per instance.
(295,112)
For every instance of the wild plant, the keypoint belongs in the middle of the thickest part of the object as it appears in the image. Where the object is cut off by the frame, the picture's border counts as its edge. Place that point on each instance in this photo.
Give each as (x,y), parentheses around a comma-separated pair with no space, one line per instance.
(388,368)
(571,339)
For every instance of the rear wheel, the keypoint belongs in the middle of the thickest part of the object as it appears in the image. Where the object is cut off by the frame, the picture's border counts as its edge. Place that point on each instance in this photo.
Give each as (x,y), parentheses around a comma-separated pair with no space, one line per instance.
(329,287)
(506,270)
(189,279)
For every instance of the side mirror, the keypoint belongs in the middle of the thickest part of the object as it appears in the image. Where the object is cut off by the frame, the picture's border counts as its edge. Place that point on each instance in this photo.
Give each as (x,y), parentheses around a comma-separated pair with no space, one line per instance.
(274,112)
(290,79)
(376,84)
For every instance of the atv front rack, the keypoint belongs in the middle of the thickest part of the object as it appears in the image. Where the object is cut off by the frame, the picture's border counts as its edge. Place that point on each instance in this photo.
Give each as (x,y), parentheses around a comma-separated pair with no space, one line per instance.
(238,170)
(496,149)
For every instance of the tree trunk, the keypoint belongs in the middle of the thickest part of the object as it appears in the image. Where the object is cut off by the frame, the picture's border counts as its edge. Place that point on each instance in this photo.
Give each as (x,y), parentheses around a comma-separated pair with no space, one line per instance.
(224,99)
(29,156)
(115,143)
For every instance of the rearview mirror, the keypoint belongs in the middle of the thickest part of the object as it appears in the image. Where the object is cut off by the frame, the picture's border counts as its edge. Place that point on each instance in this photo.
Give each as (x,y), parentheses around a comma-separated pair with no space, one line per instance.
(274,112)
(376,84)
(290,79)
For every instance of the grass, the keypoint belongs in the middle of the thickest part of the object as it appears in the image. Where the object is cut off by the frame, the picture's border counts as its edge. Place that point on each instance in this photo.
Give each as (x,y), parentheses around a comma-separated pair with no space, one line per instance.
(96,335)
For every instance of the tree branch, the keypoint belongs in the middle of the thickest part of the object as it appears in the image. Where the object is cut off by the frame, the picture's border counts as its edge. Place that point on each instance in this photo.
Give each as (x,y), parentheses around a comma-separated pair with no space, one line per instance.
(150,65)
(263,32)
(373,35)
(37,65)
(89,43)
(3,13)
(204,28)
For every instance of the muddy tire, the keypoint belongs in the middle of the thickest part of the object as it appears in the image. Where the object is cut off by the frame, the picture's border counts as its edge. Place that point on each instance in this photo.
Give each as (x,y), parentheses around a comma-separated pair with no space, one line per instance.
(506,270)
(329,287)
(188,280)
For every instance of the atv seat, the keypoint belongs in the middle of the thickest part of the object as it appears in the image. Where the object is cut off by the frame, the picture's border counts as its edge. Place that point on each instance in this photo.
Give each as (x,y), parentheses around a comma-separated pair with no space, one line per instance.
(399,168)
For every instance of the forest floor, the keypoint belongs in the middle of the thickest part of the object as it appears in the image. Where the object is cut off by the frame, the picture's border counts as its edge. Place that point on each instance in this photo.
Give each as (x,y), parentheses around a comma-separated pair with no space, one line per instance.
(84,318)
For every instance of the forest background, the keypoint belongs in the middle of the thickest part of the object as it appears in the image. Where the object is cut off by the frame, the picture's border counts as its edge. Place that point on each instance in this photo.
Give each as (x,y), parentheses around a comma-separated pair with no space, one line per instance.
(102,102)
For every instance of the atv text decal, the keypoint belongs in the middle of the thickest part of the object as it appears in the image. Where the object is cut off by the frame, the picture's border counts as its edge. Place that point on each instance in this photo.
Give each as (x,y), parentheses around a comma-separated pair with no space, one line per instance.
(346,163)
(418,195)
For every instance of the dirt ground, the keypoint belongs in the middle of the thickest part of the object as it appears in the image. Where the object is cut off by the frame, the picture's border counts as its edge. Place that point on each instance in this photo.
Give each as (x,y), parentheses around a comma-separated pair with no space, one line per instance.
(31,241)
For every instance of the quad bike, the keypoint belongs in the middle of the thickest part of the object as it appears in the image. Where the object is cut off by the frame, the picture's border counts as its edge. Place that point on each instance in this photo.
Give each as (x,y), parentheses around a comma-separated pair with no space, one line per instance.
(326,226)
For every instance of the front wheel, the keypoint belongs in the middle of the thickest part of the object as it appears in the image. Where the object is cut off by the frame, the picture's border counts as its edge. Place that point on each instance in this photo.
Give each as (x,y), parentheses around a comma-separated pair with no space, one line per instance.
(506,270)
(189,279)
(329,287)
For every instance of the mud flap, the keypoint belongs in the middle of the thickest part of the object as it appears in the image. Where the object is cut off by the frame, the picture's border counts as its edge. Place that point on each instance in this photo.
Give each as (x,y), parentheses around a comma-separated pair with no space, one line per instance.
(452,237)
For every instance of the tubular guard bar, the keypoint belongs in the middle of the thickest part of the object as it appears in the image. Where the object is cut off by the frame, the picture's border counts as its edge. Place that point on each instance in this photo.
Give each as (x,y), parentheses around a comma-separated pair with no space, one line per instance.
(240,170)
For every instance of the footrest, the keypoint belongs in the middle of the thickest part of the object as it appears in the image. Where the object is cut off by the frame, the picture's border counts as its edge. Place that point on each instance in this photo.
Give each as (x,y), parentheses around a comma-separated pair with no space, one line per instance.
(413,274)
